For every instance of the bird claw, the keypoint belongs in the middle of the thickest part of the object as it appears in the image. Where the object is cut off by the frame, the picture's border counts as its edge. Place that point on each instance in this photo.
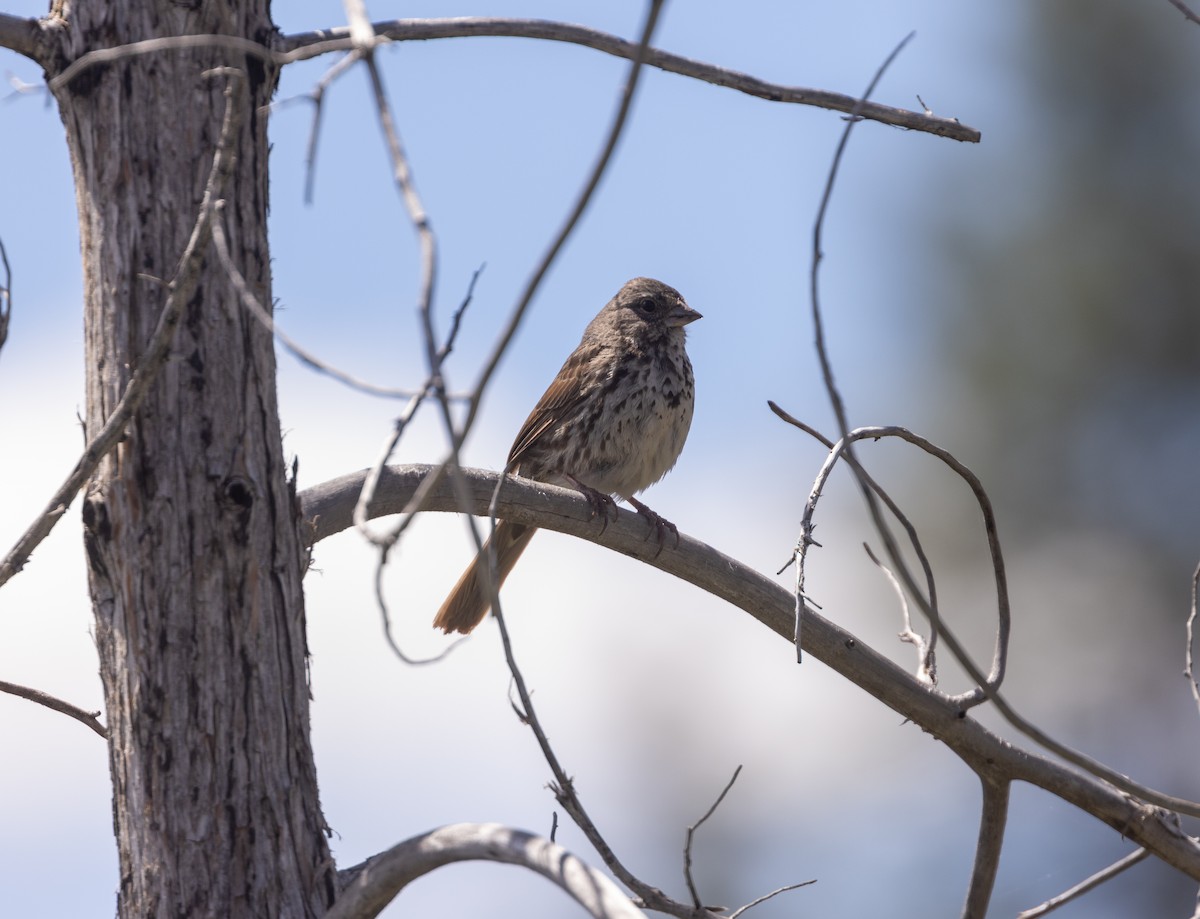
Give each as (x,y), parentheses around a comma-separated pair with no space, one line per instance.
(659,525)
(600,503)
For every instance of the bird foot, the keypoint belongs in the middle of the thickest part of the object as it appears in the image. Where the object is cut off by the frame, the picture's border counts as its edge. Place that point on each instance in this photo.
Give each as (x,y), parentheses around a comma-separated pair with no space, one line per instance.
(659,526)
(600,502)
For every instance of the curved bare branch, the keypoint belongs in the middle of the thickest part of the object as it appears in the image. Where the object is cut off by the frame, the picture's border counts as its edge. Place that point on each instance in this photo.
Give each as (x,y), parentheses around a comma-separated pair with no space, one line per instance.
(1117,801)
(371,886)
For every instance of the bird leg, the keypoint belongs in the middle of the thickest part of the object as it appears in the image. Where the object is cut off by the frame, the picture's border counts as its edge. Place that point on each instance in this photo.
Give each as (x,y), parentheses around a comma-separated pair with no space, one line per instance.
(659,525)
(600,502)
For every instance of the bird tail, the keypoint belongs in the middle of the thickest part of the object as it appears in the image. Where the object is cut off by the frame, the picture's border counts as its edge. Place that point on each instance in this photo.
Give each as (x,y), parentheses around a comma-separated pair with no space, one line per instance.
(470,599)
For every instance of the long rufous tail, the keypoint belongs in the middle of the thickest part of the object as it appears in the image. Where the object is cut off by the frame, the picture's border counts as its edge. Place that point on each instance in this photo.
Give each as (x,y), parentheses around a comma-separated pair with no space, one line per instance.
(470,599)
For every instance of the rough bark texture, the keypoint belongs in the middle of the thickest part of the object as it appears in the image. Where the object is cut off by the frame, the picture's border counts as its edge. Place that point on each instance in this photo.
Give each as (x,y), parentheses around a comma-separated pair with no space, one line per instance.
(191,529)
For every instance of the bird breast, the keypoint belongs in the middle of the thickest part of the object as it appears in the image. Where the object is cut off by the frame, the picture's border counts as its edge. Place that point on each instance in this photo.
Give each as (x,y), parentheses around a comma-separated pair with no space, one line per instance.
(647,412)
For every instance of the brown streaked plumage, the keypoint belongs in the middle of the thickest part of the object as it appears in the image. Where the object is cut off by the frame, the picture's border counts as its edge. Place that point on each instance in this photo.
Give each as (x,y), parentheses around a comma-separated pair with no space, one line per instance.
(613,422)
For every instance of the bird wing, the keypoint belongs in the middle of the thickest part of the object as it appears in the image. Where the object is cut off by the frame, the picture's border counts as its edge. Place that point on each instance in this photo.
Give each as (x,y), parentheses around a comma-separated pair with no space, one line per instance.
(568,390)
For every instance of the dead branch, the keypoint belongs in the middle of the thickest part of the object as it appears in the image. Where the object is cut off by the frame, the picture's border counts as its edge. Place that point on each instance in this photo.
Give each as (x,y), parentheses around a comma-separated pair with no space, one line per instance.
(267,321)
(5,295)
(1189,670)
(1132,809)
(91,719)
(372,885)
(1084,886)
(19,34)
(987,686)
(1188,14)
(992,820)
(310,44)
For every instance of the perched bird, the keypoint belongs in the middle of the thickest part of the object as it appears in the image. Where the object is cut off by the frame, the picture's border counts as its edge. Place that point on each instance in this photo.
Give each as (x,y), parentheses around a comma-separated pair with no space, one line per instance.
(612,423)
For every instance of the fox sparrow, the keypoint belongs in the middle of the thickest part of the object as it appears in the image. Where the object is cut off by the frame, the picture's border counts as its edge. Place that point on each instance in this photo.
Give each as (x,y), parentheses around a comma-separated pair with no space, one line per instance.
(612,423)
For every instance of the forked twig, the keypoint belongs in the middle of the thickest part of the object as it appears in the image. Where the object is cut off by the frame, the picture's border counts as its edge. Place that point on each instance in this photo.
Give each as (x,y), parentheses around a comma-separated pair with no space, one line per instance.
(926,663)
(986,686)
(691,832)
(929,604)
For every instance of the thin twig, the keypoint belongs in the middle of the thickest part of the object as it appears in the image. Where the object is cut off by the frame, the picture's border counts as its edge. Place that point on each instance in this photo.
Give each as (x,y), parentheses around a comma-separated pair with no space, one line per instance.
(768,896)
(1186,10)
(563,786)
(691,831)
(988,686)
(385,616)
(255,308)
(310,44)
(362,507)
(181,287)
(5,295)
(1189,669)
(560,239)
(929,601)
(1084,886)
(926,667)
(91,719)
(835,397)
(418,216)
(317,97)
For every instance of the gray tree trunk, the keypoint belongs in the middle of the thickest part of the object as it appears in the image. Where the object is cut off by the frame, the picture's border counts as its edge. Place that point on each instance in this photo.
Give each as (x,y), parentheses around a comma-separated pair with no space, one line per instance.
(191,527)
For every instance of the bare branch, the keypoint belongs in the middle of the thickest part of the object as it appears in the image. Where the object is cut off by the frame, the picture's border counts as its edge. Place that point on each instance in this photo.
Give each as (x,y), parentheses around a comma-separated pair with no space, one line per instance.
(371,886)
(181,288)
(988,686)
(993,817)
(835,398)
(317,96)
(1084,886)
(926,666)
(361,32)
(1186,10)
(1189,670)
(5,296)
(19,34)
(691,831)
(769,896)
(310,44)
(381,603)
(1115,800)
(362,507)
(928,603)
(265,319)
(91,719)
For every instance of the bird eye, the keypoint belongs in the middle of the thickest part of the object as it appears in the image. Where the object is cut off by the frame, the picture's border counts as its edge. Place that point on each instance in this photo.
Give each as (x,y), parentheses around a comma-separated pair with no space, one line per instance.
(648,305)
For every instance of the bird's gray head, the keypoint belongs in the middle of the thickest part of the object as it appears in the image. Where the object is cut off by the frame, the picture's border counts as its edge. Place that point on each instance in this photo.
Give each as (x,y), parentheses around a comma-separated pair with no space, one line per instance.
(646,307)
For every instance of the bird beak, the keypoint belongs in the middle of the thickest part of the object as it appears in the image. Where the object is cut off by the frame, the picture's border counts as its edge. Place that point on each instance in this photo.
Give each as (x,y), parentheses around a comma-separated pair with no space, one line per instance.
(681,315)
